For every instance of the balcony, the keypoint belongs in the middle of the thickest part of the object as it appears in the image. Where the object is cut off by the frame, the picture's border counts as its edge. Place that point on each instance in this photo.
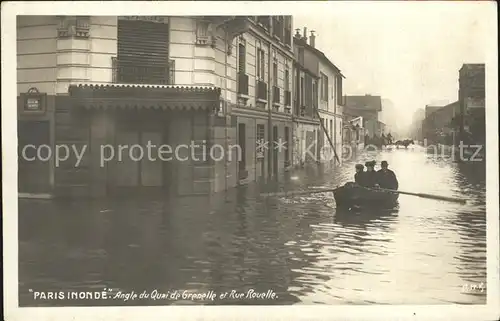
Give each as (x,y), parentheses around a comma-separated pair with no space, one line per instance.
(288,98)
(276,95)
(130,73)
(261,90)
(242,84)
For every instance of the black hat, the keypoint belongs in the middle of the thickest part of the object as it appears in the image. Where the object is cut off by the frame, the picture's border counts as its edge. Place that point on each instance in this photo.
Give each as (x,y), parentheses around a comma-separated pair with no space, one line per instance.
(370,164)
(359,166)
(384,163)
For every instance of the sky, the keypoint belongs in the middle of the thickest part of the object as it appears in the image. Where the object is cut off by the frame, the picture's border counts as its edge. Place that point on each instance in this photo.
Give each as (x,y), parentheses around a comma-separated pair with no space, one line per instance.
(409,53)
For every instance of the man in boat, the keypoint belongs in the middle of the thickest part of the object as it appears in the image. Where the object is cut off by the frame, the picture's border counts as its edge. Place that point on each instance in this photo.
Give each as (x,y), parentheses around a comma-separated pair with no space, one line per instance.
(387,178)
(359,176)
(370,176)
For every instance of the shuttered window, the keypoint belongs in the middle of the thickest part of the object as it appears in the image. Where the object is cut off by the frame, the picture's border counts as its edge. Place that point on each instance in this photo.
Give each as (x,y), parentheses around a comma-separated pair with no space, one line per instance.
(242,58)
(143,52)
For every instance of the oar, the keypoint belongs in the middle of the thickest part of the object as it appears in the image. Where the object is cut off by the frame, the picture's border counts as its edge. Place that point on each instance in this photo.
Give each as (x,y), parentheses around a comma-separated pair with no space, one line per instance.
(430,196)
(294,193)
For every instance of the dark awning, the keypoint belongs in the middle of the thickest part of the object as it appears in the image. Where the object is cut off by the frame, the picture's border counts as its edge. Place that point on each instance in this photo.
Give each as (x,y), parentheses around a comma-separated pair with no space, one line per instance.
(131,96)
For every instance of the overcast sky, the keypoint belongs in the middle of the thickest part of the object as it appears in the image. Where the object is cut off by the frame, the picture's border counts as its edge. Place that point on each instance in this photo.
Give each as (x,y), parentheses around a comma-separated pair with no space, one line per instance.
(409,53)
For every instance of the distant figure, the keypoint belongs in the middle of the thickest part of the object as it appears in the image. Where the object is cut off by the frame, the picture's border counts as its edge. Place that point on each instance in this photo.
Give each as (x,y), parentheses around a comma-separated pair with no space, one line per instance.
(359,176)
(389,138)
(370,176)
(384,140)
(367,140)
(386,178)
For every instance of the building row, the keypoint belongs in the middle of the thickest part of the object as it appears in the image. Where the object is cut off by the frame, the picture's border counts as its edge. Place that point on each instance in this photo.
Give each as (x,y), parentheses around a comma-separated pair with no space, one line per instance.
(246,81)
(462,120)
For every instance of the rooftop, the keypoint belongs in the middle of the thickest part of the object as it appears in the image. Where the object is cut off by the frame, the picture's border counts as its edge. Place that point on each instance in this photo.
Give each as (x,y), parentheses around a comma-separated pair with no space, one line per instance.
(318,53)
(365,102)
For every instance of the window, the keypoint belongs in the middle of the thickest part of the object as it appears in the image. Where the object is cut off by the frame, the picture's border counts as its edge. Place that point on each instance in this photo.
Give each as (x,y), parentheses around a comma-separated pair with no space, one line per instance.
(275,73)
(339,90)
(287,79)
(301,56)
(260,64)
(315,93)
(302,90)
(242,52)
(324,87)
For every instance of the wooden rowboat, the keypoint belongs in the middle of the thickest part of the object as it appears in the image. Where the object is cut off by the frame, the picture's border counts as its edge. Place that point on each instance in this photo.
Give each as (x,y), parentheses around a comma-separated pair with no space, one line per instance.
(352,195)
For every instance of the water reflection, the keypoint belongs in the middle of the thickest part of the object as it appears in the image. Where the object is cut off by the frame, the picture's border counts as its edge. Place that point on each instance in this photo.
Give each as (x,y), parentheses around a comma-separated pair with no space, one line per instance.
(422,252)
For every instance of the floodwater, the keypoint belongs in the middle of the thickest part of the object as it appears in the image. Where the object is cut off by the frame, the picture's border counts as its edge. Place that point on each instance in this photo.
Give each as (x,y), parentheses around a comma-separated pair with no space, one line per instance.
(295,250)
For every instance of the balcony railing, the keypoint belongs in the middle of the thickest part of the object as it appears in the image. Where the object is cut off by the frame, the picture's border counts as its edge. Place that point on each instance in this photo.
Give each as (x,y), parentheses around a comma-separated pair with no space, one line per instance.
(276,94)
(131,73)
(288,98)
(242,83)
(261,90)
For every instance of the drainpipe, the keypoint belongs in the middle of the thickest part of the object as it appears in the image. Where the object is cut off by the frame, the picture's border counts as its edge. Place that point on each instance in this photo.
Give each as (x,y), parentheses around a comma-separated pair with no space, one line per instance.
(269,106)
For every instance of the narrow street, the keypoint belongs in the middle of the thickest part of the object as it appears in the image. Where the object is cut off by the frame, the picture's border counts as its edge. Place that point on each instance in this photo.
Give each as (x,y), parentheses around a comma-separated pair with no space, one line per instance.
(424,252)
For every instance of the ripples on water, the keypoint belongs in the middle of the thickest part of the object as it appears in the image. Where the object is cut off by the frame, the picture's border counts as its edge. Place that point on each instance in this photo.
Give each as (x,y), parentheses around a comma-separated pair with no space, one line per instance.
(420,253)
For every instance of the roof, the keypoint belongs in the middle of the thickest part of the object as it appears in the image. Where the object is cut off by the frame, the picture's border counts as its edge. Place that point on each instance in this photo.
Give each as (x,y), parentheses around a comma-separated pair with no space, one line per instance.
(318,53)
(367,102)
(431,109)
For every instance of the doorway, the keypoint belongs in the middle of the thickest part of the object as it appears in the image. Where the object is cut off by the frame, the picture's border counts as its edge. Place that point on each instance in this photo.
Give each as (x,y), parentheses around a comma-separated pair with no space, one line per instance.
(137,167)
(242,172)
(34,165)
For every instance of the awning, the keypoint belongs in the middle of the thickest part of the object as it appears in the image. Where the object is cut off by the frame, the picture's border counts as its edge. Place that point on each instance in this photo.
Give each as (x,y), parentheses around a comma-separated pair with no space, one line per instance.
(139,96)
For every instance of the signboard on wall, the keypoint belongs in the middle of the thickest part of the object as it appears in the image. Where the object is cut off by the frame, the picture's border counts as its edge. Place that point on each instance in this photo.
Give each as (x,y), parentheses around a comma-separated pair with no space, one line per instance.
(33,102)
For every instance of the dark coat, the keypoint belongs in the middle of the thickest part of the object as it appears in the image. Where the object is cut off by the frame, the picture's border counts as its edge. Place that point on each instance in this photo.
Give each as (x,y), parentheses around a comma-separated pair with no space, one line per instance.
(387,179)
(360,178)
(370,179)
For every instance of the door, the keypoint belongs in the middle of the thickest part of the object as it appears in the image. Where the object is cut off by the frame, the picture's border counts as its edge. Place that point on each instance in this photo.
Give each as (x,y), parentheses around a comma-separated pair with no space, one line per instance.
(242,173)
(137,165)
(34,170)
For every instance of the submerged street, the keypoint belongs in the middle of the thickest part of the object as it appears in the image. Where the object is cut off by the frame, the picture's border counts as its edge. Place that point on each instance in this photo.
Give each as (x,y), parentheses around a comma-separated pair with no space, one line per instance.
(424,252)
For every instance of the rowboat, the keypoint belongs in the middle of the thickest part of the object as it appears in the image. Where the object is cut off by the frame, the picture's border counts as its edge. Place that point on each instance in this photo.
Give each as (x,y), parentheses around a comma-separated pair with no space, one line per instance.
(352,195)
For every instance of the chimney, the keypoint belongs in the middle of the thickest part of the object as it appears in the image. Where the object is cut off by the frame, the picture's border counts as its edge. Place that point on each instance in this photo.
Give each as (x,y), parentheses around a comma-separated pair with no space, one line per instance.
(312,39)
(305,34)
(297,33)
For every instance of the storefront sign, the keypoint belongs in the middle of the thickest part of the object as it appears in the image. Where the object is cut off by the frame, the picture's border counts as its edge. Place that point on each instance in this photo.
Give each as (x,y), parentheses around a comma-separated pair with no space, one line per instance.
(33,101)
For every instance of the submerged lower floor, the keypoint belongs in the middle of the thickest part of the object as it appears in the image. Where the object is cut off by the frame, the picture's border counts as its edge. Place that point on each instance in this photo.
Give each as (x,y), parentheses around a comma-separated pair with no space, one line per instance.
(96,142)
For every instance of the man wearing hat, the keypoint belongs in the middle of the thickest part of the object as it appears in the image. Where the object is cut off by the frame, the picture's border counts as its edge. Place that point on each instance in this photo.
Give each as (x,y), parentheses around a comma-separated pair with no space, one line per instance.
(386,178)
(370,176)
(359,176)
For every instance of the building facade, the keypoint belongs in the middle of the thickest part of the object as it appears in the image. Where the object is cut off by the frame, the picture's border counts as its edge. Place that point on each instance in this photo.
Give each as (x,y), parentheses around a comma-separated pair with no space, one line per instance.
(416,129)
(471,97)
(353,134)
(368,107)
(328,99)
(438,124)
(306,123)
(97,83)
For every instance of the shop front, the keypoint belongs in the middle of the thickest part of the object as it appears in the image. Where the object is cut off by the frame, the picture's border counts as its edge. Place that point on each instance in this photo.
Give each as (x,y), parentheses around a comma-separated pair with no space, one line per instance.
(134,139)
